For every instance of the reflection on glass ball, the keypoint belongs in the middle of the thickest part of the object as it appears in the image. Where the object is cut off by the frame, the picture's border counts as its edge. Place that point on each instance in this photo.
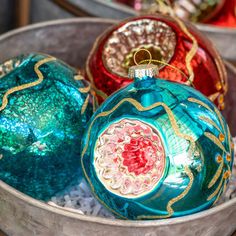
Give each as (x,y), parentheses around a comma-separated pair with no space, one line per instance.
(157,149)
(112,55)
(45,106)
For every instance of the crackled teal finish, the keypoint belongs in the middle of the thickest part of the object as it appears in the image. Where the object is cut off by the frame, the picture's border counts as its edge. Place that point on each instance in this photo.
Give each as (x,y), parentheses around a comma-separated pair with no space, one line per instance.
(198,151)
(41,126)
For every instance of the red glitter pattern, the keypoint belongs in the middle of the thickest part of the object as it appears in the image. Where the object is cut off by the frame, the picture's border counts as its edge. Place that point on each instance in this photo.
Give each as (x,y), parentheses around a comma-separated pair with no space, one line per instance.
(137,155)
(129,158)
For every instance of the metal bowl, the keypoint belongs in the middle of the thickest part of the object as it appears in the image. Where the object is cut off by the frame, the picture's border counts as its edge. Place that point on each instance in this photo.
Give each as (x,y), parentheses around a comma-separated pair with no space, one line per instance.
(20,215)
(223,38)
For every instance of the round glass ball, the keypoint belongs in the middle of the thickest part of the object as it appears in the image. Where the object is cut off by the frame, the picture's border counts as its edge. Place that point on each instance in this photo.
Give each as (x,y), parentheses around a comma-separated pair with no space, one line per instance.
(157,149)
(45,106)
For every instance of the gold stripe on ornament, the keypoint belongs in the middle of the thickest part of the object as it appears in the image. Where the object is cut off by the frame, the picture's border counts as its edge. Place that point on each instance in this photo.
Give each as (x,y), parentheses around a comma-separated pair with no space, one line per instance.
(200,103)
(219,194)
(85,89)
(28,85)
(78,77)
(214,96)
(216,190)
(175,127)
(85,105)
(221,120)
(215,140)
(99,92)
(192,51)
(217,174)
(229,141)
(209,121)
(174,200)
(165,7)
(208,108)
(222,70)
(95,101)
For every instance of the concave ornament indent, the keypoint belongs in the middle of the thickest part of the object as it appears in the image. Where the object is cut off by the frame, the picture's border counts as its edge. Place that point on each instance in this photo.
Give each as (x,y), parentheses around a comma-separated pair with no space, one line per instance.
(129,158)
(155,36)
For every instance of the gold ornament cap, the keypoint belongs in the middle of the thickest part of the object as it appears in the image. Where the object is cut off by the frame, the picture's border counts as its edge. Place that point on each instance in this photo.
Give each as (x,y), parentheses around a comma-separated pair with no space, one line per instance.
(140,71)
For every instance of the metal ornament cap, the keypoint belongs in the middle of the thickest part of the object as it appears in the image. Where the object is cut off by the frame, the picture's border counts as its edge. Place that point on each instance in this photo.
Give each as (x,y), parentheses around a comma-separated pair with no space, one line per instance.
(140,71)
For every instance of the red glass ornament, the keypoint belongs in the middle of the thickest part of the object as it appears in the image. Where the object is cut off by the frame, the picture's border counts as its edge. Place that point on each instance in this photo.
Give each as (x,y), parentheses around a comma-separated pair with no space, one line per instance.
(112,55)
(227,16)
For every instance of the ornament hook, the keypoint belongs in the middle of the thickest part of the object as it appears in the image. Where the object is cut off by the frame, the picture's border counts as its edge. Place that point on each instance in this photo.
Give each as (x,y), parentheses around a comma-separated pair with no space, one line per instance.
(139,50)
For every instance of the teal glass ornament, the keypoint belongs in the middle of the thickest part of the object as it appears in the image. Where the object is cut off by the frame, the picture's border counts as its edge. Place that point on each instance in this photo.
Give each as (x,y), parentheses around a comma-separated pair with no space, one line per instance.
(44,108)
(156,149)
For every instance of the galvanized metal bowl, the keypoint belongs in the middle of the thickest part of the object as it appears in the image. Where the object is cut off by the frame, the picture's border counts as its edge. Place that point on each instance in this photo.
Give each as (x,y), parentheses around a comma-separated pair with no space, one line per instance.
(223,38)
(20,215)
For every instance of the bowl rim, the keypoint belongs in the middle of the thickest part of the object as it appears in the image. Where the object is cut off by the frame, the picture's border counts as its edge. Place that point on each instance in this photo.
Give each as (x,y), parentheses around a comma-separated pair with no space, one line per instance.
(74,20)
(112,222)
(100,220)
(59,22)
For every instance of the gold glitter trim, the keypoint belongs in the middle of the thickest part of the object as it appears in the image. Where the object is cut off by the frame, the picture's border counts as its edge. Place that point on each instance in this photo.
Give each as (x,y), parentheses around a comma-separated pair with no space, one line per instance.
(215,140)
(222,71)
(216,190)
(229,141)
(208,108)
(29,85)
(192,51)
(85,105)
(200,103)
(217,174)
(174,200)
(214,96)
(139,107)
(85,90)
(78,77)
(94,107)
(219,194)
(166,8)
(211,122)
(99,92)
(175,127)
(220,118)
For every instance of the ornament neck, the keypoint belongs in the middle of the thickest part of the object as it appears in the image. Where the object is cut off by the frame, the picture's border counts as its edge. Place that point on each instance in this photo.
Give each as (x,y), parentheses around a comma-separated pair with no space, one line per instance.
(143,75)
(143,72)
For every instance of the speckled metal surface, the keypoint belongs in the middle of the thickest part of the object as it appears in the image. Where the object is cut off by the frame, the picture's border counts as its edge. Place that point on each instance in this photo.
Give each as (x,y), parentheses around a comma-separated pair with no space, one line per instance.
(23,216)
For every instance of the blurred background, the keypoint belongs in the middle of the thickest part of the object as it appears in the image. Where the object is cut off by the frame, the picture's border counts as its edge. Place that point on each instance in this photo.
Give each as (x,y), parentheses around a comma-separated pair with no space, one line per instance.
(221,28)
(16,13)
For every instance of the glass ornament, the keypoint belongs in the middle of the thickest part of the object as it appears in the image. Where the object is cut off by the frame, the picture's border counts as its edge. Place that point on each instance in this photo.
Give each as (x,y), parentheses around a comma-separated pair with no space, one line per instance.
(169,41)
(156,149)
(44,108)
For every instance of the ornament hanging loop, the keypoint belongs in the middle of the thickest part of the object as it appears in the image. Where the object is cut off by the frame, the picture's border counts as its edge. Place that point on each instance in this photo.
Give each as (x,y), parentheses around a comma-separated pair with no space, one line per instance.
(145,50)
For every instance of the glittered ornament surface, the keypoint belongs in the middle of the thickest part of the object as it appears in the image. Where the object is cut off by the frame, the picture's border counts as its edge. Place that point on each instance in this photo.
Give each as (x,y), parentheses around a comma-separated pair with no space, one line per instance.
(157,149)
(169,41)
(45,106)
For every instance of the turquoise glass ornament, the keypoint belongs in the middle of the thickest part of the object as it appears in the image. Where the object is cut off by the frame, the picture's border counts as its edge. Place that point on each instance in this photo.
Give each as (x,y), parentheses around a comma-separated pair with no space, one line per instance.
(157,149)
(44,108)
